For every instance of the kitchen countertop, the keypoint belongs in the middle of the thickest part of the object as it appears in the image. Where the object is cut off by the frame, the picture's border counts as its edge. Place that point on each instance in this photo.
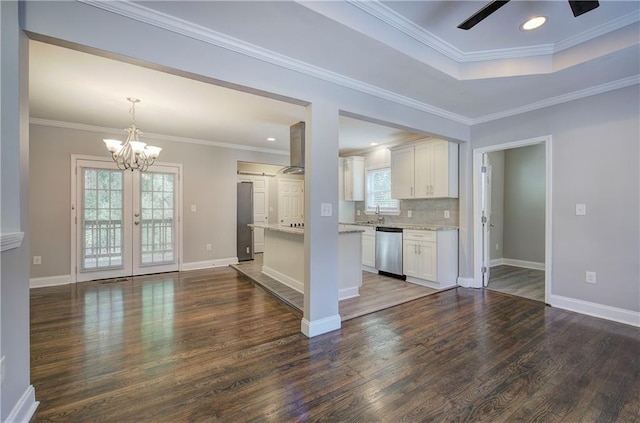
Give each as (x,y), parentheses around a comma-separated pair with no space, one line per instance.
(298,230)
(416,226)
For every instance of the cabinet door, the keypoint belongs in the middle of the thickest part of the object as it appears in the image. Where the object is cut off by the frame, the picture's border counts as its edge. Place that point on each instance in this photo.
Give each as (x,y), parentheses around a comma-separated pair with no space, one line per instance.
(354,179)
(348,180)
(410,263)
(440,169)
(427,258)
(402,173)
(423,162)
(369,250)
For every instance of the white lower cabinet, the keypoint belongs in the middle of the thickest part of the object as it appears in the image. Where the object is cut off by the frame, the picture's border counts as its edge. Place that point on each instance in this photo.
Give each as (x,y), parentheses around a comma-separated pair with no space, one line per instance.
(369,249)
(430,258)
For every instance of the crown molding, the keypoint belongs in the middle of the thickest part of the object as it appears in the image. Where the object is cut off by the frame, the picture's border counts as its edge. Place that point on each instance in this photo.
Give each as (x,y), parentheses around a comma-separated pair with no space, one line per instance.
(387,15)
(402,24)
(179,26)
(159,137)
(576,95)
(597,31)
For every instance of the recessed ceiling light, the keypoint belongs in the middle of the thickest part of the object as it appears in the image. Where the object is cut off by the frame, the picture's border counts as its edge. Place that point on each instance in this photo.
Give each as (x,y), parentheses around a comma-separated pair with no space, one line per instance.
(271,139)
(533,23)
(374,143)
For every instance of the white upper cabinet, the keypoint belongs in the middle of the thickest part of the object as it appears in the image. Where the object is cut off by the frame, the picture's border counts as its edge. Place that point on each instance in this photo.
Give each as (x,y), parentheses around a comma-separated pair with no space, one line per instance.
(354,178)
(425,170)
(402,174)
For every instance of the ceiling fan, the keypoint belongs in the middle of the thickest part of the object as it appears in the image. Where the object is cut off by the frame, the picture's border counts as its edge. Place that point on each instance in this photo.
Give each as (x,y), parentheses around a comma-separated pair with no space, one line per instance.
(577,7)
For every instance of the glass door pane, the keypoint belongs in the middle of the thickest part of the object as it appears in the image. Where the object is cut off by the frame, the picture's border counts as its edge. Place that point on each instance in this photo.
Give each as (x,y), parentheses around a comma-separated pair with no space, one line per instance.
(102,228)
(102,224)
(157,201)
(155,220)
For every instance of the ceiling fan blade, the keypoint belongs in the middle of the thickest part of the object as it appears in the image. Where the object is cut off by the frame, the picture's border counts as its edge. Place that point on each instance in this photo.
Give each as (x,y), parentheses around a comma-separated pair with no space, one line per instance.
(485,12)
(580,7)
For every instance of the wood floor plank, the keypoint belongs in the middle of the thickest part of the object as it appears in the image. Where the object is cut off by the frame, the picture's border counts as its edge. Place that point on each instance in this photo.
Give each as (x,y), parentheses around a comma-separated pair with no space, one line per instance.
(211,346)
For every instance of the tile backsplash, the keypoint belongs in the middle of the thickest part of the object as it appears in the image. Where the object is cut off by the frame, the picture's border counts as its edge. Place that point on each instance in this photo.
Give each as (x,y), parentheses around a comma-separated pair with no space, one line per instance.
(429,211)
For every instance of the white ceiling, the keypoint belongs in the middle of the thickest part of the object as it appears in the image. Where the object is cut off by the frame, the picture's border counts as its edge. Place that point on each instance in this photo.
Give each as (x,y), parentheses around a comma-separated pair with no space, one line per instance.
(410,48)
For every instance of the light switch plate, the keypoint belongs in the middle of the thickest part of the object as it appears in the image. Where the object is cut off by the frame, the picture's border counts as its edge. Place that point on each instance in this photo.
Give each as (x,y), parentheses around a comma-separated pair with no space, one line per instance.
(326,209)
(409,213)
(590,277)
(37,260)
(193,207)
(581,209)
(357,212)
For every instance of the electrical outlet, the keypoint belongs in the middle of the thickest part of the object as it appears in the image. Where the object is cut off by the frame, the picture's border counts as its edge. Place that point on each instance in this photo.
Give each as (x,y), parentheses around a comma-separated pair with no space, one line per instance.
(208,247)
(447,215)
(193,207)
(270,209)
(409,213)
(357,212)
(590,277)
(497,247)
(37,260)
(326,210)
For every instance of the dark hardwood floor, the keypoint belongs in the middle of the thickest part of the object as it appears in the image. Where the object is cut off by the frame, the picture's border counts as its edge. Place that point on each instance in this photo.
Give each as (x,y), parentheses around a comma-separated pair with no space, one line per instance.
(211,346)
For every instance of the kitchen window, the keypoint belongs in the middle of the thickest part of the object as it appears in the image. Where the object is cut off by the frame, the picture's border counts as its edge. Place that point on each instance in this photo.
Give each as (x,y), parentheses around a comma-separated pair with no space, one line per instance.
(379,192)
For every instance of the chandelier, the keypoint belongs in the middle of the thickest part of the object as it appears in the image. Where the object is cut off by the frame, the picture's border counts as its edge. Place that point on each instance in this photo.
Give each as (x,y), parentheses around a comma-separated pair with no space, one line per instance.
(132,154)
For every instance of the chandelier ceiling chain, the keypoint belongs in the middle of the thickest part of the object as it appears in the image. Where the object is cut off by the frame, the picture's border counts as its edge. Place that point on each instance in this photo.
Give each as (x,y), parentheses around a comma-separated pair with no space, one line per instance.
(132,154)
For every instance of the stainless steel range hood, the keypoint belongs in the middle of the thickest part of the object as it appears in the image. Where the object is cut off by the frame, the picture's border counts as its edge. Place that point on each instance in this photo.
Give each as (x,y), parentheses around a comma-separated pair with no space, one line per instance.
(296,152)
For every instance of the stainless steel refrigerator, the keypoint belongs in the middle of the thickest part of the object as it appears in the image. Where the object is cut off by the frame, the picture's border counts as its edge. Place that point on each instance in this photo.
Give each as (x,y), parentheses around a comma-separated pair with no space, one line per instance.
(245,216)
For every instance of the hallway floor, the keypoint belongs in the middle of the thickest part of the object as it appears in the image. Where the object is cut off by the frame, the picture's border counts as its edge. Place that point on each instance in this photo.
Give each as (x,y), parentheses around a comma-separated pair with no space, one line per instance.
(527,283)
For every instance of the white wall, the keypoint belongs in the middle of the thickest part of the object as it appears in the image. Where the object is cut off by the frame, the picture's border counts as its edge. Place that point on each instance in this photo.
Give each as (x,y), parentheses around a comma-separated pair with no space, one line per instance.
(17,399)
(524,203)
(209,182)
(496,161)
(595,161)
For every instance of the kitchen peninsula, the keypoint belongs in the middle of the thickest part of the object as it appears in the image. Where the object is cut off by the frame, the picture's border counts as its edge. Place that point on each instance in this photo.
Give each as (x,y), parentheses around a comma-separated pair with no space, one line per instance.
(283,257)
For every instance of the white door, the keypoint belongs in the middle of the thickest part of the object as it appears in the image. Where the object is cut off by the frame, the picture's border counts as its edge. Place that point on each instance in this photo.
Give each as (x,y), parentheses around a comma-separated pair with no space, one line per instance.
(486,219)
(124,223)
(290,201)
(260,207)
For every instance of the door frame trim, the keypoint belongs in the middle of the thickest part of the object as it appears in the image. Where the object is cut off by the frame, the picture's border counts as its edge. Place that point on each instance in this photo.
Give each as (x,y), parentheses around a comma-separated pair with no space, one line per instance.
(73,207)
(477,207)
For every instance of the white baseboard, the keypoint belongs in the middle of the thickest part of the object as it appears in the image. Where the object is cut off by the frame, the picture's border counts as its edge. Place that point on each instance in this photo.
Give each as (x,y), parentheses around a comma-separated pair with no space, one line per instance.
(422,282)
(517,263)
(208,264)
(49,281)
(320,326)
(283,279)
(369,269)
(25,408)
(468,283)
(615,314)
(345,293)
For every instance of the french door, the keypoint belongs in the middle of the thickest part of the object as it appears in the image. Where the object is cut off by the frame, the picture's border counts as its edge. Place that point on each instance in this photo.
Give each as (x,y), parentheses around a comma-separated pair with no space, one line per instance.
(125,223)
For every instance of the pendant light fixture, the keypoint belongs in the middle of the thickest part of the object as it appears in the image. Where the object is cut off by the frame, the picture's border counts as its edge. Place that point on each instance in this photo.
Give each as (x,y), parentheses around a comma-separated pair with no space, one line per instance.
(132,154)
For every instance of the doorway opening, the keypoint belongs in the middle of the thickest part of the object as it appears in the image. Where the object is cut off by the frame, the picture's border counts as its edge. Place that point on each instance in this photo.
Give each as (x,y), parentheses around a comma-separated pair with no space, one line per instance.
(512,218)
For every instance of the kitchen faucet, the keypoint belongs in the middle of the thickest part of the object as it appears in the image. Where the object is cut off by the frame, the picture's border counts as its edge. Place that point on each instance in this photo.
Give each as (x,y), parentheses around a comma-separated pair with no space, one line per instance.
(380,216)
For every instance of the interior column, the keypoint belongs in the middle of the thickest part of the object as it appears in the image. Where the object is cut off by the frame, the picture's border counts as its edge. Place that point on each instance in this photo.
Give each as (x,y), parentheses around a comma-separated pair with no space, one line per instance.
(321,221)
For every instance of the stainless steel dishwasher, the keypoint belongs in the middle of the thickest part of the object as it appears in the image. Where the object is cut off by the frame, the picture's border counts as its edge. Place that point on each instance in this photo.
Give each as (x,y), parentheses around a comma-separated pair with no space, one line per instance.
(389,251)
